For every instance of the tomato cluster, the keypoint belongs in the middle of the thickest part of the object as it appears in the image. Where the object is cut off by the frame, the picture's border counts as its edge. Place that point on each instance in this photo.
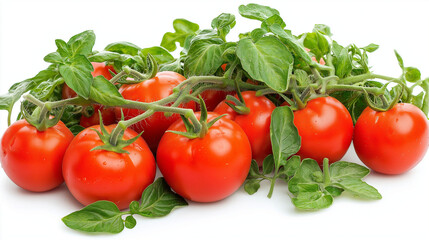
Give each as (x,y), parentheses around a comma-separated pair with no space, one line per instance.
(206,168)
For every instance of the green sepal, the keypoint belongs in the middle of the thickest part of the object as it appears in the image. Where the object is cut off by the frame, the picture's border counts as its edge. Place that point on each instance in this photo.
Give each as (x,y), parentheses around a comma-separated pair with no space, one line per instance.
(150,71)
(239,107)
(41,123)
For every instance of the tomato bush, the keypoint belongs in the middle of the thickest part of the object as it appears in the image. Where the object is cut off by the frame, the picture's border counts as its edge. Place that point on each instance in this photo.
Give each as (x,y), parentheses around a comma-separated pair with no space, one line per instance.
(391,142)
(256,124)
(326,129)
(205,169)
(32,159)
(93,175)
(152,90)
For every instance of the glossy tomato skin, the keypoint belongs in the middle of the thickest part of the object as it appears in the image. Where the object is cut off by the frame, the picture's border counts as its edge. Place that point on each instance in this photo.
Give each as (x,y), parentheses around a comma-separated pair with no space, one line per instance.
(391,142)
(99,69)
(152,90)
(32,159)
(212,98)
(205,169)
(105,175)
(108,115)
(326,129)
(256,124)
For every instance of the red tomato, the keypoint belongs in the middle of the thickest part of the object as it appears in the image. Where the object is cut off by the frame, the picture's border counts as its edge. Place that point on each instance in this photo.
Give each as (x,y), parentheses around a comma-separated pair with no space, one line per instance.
(256,124)
(99,69)
(205,169)
(32,159)
(152,90)
(104,175)
(391,142)
(108,115)
(326,129)
(213,97)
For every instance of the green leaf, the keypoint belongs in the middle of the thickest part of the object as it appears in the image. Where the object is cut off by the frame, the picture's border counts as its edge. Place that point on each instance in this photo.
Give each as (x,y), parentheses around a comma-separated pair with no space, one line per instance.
(251,186)
(105,93)
(412,74)
(63,49)
(345,170)
(285,139)
(268,164)
(160,54)
(77,75)
(274,19)
(311,198)
(400,60)
(317,43)
(53,57)
(288,39)
(104,56)
(359,188)
(223,24)
(45,89)
(204,58)
(322,28)
(130,222)
(334,191)
(371,47)
(425,104)
(158,200)
(183,29)
(257,34)
(175,66)
(343,65)
(291,166)
(256,11)
(268,60)
(302,77)
(82,43)
(254,170)
(101,216)
(304,174)
(123,48)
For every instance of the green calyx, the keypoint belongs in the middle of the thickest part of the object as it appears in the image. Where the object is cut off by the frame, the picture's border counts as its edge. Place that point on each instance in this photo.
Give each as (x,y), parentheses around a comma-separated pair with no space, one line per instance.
(40,118)
(113,142)
(151,71)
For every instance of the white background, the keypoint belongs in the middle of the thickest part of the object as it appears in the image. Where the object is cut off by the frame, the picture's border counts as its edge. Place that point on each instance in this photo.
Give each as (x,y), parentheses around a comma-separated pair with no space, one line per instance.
(27,33)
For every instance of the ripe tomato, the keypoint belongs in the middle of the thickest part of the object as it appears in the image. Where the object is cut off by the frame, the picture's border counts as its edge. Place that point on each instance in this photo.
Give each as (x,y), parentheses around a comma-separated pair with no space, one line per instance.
(32,159)
(391,142)
(205,169)
(105,175)
(256,124)
(213,97)
(99,69)
(108,115)
(152,90)
(326,129)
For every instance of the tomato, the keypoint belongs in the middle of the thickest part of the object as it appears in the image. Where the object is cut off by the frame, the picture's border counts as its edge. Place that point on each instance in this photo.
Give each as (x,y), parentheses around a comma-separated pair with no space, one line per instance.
(152,90)
(108,115)
(205,169)
(105,175)
(99,69)
(256,124)
(391,142)
(213,97)
(326,129)
(32,159)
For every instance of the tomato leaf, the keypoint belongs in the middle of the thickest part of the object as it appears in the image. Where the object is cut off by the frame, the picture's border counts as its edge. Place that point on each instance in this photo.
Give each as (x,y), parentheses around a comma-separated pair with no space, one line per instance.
(160,54)
(82,43)
(274,19)
(104,56)
(324,29)
(183,29)
(105,93)
(343,64)
(412,74)
(317,43)
(285,139)
(256,11)
(101,216)
(223,24)
(267,60)
(77,75)
(123,48)
(204,57)
(371,47)
(158,200)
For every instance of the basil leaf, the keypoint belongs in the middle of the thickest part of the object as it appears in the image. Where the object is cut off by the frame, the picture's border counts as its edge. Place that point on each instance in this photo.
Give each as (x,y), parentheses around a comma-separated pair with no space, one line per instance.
(268,164)
(345,170)
(158,200)
(223,24)
(343,65)
(291,166)
(311,198)
(105,93)
(104,56)
(101,216)
(257,34)
(82,43)
(160,54)
(359,188)
(268,60)
(123,48)
(412,74)
(130,222)
(304,174)
(252,186)
(63,49)
(256,11)
(53,57)
(275,19)
(317,44)
(371,47)
(254,170)
(77,75)
(183,29)
(400,60)
(204,57)
(45,89)
(322,28)
(334,191)
(284,136)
